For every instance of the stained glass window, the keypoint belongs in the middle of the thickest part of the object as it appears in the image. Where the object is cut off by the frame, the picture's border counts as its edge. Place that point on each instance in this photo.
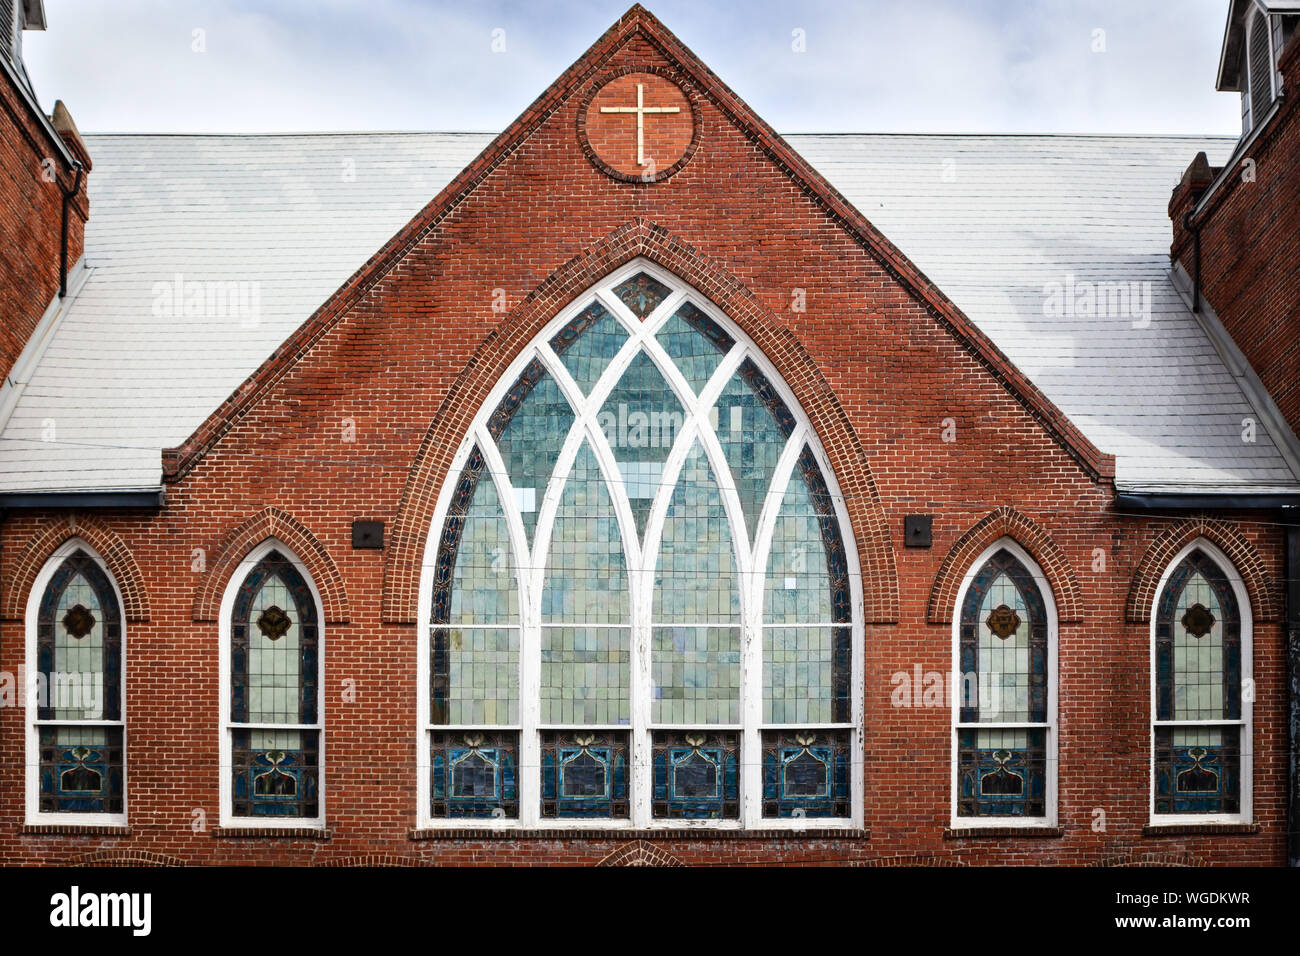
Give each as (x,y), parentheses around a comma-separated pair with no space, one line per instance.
(274,681)
(611,654)
(1002,771)
(79,659)
(1199,723)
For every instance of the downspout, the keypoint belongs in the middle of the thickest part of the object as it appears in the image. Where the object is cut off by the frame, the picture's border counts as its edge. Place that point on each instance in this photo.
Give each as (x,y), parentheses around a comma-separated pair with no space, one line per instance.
(63,237)
(1194,228)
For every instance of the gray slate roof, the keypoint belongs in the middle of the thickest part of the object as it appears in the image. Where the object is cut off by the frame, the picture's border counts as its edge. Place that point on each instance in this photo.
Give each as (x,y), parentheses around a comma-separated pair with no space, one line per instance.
(991,219)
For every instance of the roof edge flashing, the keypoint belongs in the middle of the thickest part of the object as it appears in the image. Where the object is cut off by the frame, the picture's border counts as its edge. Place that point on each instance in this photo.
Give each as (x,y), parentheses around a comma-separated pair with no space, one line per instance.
(152,498)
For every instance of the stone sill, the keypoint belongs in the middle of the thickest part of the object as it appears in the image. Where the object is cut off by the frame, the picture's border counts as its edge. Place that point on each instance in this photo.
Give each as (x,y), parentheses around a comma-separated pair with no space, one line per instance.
(272,833)
(1002,833)
(684,833)
(1200,829)
(72,829)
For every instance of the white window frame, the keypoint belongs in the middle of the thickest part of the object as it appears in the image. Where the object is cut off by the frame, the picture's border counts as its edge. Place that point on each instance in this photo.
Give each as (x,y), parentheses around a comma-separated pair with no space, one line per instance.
(227,817)
(1246,723)
(641,334)
(1049,819)
(34,816)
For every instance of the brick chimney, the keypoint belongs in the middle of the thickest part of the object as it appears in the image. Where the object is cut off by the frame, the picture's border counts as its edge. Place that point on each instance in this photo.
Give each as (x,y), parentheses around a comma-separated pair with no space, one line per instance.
(1236,230)
(43,200)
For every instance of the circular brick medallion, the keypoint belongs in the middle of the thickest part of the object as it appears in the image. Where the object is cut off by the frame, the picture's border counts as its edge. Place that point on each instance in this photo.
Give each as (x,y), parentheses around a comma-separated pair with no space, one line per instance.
(638,126)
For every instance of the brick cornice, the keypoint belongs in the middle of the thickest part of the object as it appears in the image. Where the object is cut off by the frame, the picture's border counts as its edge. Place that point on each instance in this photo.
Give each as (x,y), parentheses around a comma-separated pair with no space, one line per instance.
(271,523)
(1264,600)
(640,238)
(96,533)
(1100,467)
(1006,522)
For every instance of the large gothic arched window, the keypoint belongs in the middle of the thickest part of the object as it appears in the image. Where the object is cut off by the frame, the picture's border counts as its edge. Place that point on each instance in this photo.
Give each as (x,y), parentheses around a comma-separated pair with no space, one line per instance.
(75,740)
(1201,727)
(639,595)
(1005,707)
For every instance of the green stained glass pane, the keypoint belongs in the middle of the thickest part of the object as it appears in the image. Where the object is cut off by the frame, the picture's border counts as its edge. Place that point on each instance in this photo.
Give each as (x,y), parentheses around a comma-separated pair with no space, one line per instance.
(483,584)
(696,580)
(588,343)
(696,673)
(641,419)
(529,426)
(696,344)
(798,580)
(642,294)
(752,423)
(805,675)
(1198,658)
(586,675)
(586,573)
(476,675)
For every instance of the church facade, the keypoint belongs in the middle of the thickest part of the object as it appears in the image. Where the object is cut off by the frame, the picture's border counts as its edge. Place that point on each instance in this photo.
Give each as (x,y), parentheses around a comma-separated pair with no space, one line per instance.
(620,489)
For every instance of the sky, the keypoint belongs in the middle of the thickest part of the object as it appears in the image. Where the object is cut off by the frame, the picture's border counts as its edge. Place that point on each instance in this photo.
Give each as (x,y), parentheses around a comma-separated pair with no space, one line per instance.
(988,66)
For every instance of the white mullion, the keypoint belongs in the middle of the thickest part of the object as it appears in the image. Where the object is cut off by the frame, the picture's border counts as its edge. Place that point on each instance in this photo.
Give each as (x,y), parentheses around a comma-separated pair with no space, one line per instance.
(528,667)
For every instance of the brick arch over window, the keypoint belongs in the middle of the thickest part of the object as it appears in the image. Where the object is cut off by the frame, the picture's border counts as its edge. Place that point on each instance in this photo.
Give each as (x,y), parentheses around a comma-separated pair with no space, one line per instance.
(371,859)
(126,858)
(1264,603)
(271,523)
(117,556)
(1006,522)
(799,370)
(1134,858)
(640,853)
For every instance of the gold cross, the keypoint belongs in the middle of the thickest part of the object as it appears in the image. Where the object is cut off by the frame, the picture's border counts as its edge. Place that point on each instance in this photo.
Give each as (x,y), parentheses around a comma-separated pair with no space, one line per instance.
(640,110)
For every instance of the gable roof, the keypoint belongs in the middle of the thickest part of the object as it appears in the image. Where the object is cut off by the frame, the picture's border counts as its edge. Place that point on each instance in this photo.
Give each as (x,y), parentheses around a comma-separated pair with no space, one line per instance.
(121,382)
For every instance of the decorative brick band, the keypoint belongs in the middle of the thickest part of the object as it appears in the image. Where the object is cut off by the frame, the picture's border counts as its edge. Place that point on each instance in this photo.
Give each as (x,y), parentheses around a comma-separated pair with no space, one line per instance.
(1002,833)
(692,834)
(641,238)
(1201,829)
(271,523)
(96,533)
(1006,522)
(1132,857)
(73,830)
(127,858)
(1264,601)
(904,860)
(272,833)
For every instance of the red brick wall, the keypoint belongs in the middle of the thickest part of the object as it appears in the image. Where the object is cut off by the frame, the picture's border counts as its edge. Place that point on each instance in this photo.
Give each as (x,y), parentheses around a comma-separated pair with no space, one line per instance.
(31,206)
(1250,247)
(399,361)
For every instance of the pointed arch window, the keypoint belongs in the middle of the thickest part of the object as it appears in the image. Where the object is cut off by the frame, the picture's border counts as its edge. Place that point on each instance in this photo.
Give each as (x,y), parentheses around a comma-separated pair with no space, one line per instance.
(271,741)
(1004,732)
(76,754)
(1201,726)
(640,597)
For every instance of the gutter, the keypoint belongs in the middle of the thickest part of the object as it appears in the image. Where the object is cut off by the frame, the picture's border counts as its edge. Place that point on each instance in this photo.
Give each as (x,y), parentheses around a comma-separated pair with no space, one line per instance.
(151,499)
(1178,501)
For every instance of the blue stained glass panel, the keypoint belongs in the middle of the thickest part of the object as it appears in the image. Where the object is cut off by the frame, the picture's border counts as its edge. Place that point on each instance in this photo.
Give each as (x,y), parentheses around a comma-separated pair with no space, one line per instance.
(275,773)
(696,775)
(641,294)
(81,769)
(696,344)
(1198,770)
(475,774)
(752,424)
(586,570)
(584,774)
(1002,772)
(79,637)
(696,580)
(641,419)
(588,343)
(806,773)
(530,426)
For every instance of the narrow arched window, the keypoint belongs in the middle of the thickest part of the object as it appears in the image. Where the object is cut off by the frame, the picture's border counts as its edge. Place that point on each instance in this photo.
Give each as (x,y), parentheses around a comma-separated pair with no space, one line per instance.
(272,661)
(75,744)
(1259,65)
(640,592)
(1201,730)
(1004,729)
